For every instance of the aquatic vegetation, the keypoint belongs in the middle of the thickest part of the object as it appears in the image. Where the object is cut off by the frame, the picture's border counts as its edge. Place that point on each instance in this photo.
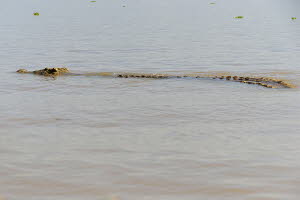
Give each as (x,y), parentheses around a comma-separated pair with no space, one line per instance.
(260,81)
(239,17)
(212,3)
(294,18)
(36,14)
(92,1)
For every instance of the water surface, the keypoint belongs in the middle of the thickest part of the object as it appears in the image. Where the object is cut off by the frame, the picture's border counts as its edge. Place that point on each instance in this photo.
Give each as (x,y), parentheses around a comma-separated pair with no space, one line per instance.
(103,138)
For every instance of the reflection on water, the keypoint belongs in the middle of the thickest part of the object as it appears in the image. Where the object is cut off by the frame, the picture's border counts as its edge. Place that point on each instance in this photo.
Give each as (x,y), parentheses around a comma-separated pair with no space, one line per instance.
(104,138)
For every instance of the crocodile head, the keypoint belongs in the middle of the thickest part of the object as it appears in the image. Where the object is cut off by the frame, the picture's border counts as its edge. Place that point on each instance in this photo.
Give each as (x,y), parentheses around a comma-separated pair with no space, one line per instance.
(46,71)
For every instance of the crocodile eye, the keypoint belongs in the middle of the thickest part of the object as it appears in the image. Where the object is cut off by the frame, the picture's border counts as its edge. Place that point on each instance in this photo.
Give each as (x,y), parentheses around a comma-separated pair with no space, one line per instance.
(52,70)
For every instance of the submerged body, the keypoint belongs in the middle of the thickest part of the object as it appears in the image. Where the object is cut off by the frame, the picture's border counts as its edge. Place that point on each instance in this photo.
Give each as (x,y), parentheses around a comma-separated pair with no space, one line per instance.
(262,81)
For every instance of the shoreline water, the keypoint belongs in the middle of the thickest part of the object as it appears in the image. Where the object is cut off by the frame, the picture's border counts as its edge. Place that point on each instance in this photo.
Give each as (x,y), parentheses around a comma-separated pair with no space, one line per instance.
(90,137)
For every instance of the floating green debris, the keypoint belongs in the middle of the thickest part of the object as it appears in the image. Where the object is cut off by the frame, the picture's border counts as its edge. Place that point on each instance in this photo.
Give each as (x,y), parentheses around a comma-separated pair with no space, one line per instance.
(239,17)
(92,1)
(36,14)
(294,18)
(212,3)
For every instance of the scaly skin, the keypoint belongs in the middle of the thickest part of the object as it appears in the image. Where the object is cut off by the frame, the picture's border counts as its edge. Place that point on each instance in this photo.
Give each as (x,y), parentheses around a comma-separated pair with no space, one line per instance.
(261,81)
(46,71)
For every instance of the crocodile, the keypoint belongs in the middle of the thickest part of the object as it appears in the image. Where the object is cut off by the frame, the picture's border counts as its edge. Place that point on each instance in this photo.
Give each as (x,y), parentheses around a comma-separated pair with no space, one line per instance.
(46,71)
(260,81)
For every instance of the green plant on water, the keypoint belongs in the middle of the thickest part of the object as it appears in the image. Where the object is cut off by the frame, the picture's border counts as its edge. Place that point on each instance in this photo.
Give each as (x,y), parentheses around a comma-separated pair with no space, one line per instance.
(294,18)
(36,14)
(239,17)
(212,3)
(92,1)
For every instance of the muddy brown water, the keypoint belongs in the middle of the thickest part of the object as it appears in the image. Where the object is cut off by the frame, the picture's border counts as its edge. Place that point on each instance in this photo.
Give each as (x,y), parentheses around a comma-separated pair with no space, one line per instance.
(104,138)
